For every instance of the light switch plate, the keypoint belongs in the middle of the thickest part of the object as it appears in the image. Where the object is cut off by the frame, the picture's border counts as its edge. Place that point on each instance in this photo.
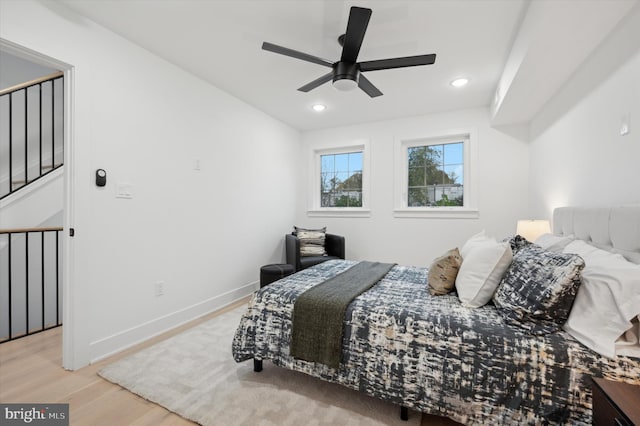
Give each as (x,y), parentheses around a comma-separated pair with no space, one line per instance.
(124,190)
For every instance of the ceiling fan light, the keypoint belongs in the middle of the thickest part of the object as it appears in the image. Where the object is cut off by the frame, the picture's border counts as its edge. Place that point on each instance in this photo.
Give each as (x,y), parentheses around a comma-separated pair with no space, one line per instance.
(459,82)
(345,84)
(319,107)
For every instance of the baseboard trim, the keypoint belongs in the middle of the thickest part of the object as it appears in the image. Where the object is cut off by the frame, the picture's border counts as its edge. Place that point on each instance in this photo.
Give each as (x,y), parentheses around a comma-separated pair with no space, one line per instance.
(105,347)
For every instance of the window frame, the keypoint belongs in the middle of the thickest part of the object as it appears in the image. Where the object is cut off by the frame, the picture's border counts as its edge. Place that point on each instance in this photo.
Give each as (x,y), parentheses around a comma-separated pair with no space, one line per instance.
(315,209)
(469,208)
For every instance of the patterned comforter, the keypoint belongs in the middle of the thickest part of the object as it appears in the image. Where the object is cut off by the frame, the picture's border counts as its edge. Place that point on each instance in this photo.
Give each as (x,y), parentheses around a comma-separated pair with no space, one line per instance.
(432,354)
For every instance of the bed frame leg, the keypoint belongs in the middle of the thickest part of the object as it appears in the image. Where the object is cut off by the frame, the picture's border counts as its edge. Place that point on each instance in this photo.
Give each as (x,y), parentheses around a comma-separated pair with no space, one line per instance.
(404,413)
(257,365)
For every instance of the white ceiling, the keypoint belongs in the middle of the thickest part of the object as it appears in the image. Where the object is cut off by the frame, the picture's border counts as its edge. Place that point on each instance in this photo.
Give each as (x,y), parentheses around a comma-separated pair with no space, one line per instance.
(220,41)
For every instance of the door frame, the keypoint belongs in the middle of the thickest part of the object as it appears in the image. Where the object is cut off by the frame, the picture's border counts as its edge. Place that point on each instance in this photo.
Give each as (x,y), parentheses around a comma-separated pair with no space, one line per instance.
(68,256)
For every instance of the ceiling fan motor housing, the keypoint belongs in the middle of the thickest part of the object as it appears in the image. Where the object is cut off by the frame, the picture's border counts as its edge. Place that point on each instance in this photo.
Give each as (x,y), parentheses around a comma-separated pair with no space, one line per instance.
(345,75)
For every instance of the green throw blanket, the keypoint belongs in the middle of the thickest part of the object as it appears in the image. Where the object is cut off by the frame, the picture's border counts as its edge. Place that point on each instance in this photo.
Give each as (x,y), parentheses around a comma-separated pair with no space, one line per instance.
(318,313)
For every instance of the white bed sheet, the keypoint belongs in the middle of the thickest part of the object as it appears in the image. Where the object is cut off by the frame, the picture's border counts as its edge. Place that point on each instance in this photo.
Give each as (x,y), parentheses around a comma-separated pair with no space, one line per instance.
(607,302)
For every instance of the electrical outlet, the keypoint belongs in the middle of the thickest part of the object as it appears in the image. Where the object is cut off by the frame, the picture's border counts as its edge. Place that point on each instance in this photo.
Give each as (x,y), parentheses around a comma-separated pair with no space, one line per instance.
(159,288)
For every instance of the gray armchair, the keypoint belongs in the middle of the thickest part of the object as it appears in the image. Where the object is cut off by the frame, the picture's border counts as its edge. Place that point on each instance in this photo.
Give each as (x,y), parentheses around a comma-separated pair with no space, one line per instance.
(333,244)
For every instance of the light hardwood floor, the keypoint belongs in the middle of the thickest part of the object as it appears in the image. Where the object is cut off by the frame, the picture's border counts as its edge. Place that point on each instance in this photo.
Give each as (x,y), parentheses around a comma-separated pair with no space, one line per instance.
(31,372)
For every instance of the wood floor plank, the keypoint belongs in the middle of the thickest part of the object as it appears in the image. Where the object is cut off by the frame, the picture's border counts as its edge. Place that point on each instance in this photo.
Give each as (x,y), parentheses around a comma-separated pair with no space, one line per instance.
(111,407)
(161,417)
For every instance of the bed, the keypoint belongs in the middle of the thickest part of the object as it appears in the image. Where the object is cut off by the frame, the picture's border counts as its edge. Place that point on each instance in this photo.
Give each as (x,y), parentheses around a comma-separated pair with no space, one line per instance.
(435,355)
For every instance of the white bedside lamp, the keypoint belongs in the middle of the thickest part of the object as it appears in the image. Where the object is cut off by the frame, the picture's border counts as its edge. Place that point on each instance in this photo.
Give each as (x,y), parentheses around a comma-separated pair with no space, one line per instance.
(532,229)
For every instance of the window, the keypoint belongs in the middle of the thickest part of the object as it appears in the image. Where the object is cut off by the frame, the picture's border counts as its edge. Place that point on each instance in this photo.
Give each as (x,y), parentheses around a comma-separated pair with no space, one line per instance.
(433,176)
(339,184)
(341,180)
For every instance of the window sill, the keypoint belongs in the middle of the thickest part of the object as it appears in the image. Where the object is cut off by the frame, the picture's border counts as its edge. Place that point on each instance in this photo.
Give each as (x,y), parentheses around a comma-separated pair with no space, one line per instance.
(339,212)
(436,213)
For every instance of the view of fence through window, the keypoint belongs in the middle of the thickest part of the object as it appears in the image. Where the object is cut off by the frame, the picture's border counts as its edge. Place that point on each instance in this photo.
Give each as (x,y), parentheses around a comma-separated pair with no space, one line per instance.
(341,180)
(436,175)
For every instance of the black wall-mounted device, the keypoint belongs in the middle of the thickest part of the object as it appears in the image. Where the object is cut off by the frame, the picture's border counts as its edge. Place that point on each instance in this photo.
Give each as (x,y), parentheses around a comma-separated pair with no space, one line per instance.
(101,177)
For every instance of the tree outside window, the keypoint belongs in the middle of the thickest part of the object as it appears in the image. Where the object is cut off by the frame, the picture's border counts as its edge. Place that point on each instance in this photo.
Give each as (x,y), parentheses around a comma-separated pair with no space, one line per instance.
(341,180)
(436,175)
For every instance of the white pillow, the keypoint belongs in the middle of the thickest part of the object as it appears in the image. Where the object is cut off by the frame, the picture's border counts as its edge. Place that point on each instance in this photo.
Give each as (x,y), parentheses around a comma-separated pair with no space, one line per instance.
(481,271)
(554,243)
(476,240)
(607,301)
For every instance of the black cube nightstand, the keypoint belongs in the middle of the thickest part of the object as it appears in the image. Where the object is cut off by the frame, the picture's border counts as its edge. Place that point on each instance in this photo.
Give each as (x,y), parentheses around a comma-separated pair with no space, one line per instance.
(615,403)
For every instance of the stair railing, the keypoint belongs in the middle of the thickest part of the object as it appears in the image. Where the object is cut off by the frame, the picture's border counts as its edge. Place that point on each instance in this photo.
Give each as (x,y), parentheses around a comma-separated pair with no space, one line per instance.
(30,123)
(30,281)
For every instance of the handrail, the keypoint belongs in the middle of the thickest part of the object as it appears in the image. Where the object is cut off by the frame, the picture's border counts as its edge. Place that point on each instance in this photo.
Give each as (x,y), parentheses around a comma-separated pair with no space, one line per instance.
(45,126)
(31,83)
(23,230)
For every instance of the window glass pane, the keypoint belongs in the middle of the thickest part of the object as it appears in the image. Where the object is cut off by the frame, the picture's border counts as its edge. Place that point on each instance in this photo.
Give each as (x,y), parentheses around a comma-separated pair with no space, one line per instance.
(349,199)
(341,180)
(342,162)
(353,182)
(355,162)
(417,176)
(325,182)
(434,154)
(417,197)
(453,153)
(326,163)
(416,156)
(451,195)
(435,175)
(433,191)
(454,173)
(355,199)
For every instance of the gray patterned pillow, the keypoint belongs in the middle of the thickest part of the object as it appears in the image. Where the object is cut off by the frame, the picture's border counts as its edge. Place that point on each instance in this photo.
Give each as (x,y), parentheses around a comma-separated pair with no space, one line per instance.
(311,241)
(539,288)
(517,243)
(443,272)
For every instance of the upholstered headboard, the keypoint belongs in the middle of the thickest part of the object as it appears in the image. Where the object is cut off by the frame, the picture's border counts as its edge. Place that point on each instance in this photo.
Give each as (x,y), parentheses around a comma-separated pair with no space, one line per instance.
(615,229)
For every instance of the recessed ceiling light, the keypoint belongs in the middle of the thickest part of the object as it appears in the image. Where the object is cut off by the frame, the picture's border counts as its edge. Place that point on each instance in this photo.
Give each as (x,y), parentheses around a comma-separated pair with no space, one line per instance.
(319,107)
(459,82)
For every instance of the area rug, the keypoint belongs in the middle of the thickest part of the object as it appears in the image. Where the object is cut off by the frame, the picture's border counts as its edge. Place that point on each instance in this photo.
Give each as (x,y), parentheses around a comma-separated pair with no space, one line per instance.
(194,375)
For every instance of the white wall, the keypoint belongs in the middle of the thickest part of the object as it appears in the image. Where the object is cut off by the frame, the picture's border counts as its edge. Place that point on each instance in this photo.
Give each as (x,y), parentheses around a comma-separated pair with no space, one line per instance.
(577,155)
(204,233)
(34,204)
(502,198)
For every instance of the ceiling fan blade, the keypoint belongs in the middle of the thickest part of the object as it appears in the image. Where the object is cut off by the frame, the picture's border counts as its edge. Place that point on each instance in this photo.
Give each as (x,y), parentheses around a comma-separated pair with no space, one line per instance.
(407,61)
(368,87)
(295,54)
(317,82)
(356,28)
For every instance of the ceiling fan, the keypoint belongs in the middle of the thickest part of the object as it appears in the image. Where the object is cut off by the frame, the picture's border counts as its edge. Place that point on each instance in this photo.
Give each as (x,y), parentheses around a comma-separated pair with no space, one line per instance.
(347,73)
